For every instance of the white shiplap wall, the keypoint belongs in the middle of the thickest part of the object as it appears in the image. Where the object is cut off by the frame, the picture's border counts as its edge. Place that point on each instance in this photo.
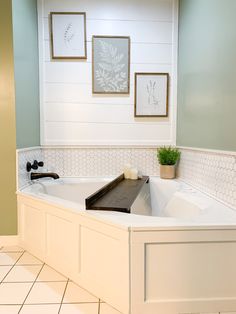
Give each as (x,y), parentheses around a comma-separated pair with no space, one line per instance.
(70,113)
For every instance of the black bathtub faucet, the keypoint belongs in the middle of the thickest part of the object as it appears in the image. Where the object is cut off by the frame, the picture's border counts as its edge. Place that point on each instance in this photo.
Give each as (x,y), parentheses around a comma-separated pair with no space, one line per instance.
(34,165)
(39,175)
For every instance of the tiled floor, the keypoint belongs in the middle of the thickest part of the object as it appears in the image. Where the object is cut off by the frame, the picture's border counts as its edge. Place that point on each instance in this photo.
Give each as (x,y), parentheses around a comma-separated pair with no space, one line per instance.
(29,286)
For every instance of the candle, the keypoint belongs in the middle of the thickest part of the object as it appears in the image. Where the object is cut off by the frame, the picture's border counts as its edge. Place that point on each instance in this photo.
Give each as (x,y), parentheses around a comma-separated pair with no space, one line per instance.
(133,174)
(127,169)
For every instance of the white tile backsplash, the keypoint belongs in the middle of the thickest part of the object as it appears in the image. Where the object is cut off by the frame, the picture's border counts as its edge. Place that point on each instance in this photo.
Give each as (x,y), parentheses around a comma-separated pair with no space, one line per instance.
(86,162)
(24,155)
(212,172)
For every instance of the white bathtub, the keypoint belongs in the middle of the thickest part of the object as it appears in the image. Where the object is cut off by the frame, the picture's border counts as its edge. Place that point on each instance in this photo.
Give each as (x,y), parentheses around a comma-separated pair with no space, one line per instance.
(172,202)
(178,259)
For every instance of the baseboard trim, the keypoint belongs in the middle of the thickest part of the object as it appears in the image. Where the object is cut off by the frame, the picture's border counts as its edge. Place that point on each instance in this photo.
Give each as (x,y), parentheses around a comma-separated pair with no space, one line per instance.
(9,240)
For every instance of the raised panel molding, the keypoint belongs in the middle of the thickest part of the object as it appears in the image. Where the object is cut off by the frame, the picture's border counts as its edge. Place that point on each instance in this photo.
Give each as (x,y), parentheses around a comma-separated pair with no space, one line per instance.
(31,228)
(183,271)
(62,238)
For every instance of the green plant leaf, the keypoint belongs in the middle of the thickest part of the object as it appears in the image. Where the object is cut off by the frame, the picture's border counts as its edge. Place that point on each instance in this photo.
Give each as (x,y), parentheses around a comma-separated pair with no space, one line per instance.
(168,155)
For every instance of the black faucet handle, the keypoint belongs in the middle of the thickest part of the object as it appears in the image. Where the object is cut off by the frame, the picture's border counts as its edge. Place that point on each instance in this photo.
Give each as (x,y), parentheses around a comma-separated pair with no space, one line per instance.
(34,165)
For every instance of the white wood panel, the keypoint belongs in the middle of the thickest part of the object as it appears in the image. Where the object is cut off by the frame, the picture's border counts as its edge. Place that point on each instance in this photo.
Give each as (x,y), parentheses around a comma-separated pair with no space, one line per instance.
(80,72)
(94,247)
(62,238)
(70,113)
(189,267)
(95,113)
(78,132)
(32,222)
(183,271)
(139,31)
(157,53)
(121,10)
(82,93)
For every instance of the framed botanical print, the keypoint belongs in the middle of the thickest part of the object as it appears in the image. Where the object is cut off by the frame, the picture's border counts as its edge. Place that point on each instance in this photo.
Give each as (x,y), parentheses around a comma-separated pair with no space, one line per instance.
(151,95)
(111,64)
(68,35)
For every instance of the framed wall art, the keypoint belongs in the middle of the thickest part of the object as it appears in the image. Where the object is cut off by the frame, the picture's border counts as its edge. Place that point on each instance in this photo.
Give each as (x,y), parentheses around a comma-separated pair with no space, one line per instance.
(151,95)
(68,35)
(111,64)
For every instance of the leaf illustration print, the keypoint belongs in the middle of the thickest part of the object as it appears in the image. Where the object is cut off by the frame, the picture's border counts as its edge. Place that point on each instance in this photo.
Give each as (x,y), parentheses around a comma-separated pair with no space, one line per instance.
(152,93)
(110,76)
(69,35)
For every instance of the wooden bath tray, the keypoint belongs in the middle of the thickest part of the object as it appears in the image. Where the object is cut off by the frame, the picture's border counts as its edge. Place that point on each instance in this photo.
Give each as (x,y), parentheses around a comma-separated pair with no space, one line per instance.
(117,195)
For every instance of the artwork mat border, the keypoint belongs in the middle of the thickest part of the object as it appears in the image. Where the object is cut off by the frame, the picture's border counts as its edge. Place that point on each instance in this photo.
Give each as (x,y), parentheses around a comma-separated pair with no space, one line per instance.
(52,42)
(128,81)
(135,94)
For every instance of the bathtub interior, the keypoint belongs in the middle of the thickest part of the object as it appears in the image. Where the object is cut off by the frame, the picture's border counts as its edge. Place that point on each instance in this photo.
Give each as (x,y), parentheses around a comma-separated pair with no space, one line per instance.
(158,198)
(175,199)
(69,189)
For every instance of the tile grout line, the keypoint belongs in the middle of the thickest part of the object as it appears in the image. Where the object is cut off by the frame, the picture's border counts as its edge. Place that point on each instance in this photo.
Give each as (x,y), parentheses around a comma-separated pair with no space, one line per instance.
(49,303)
(22,253)
(40,281)
(31,288)
(23,264)
(63,296)
(99,306)
(11,251)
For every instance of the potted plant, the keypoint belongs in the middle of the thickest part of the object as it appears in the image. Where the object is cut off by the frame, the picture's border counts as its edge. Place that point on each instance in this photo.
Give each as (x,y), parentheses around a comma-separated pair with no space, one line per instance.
(168,158)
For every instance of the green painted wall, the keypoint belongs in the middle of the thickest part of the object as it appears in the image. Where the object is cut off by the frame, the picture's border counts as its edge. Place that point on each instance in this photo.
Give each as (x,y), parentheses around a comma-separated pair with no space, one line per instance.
(207,74)
(8,224)
(26,72)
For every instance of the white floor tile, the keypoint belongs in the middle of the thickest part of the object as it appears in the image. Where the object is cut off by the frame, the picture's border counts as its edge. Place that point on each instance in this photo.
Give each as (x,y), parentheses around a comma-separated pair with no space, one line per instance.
(40,309)
(89,308)
(9,258)
(28,259)
(46,292)
(26,273)
(107,309)
(75,294)
(3,271)
(49,274)
(14,293)
(11,249)
(9,309)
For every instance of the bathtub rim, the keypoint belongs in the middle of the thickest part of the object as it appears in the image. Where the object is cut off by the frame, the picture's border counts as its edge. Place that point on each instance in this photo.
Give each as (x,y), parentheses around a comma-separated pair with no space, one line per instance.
(118,220)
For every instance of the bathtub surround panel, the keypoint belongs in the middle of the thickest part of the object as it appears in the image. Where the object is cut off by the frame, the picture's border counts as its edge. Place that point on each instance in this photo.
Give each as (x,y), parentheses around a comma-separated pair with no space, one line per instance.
(8,221)
(23,156)
(79,162)
(211,172)
(97,243)
(26,72)
(206,74)
(70,113)
(86,162)
(182,282)
(85,240)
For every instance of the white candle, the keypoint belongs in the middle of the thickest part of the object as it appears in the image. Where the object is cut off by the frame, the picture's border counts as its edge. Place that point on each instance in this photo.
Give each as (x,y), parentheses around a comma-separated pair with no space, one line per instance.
(133,174)
(127,169)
